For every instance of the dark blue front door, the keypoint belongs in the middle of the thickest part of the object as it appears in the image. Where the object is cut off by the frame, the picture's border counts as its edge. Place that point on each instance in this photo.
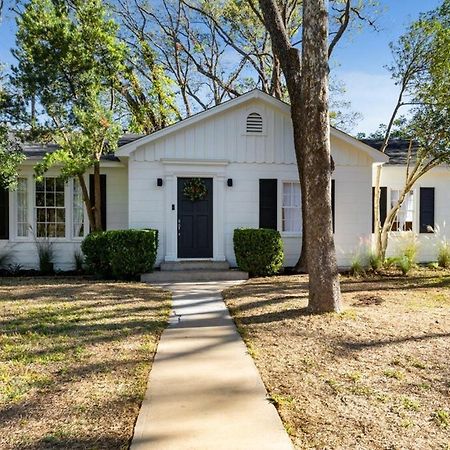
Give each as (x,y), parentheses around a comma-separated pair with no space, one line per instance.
(195,222)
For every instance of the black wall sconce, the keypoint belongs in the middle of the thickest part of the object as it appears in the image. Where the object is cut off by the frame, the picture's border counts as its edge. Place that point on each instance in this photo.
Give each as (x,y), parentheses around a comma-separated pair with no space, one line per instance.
(159,182)
(230,182)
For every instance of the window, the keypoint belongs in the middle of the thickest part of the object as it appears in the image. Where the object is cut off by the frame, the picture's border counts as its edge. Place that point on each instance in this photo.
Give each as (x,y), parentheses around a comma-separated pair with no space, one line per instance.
(22,207)
(78,210)
(50,208)
(405,216)
(291,207)
(254,123)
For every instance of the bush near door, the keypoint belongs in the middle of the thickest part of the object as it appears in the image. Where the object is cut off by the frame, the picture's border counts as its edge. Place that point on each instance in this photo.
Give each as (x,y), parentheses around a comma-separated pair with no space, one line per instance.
(123,254)
(259,251)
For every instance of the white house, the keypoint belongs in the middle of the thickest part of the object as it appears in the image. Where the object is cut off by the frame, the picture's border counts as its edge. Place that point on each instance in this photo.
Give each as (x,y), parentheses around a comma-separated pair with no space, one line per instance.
(426,210)
(243,153)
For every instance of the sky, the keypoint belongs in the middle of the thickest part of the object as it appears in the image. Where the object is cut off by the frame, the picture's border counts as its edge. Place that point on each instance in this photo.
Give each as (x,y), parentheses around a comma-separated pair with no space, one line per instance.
(359,60)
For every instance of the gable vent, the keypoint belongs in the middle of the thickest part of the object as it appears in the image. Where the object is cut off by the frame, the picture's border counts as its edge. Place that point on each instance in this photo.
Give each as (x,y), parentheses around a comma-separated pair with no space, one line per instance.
(254,123)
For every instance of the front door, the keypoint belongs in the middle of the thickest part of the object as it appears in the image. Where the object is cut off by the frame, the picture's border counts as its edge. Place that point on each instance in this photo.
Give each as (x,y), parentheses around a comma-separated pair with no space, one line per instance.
(195,218)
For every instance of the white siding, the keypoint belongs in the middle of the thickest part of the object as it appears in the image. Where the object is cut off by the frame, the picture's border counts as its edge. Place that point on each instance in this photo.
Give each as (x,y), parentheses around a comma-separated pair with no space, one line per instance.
(23,250)
(192,151)
(393,177)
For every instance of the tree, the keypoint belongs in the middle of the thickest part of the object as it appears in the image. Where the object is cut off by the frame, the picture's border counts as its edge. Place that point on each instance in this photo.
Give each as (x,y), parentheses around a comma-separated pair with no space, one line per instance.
(306,75)
(69,59)
(422,70)
(10,154)
(11,158)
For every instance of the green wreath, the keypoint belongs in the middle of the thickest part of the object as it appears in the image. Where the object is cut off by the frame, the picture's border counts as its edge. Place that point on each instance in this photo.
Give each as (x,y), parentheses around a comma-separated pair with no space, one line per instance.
(195,190)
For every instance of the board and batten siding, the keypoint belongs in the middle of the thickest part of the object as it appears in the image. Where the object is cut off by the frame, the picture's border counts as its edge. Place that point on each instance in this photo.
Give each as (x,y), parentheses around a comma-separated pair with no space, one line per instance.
(219,147)
(438,178)
(23,250)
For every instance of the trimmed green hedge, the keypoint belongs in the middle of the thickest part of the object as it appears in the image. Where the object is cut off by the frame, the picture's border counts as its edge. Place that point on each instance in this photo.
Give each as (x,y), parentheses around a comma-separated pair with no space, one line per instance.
(259,251)
(123,254)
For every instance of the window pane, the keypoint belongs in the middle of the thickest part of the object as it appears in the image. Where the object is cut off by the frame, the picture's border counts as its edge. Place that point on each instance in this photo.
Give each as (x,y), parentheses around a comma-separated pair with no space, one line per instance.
(291,219)
(40,199)
(405,215)
(59,184)
(40,186)
(60,230)
(60,199)
(50,208)
(78,210)
(50,184)
(22,207)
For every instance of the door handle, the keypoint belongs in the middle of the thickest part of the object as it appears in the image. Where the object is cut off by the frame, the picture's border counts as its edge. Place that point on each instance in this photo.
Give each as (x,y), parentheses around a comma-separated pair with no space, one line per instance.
(179,227)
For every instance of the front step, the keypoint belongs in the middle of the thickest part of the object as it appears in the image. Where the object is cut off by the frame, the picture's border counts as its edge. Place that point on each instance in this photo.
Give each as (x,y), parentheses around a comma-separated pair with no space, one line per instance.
(178,276)
(175,266)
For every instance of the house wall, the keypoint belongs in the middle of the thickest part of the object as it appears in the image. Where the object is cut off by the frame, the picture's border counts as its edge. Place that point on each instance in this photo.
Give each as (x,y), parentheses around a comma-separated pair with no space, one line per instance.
(393,177)
(23,250)
(218,147)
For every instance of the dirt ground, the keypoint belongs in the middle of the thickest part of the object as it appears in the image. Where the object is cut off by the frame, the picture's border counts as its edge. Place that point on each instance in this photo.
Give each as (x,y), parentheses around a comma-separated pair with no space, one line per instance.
(74,359)
(376,376)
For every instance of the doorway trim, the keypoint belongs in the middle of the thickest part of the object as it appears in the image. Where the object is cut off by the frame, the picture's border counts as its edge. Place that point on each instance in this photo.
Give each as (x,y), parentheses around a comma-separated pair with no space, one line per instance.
(174,169)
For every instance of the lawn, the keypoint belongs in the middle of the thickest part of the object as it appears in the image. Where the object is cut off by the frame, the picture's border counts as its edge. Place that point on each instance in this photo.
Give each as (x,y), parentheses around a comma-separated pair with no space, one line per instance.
(74,359)
(376,376)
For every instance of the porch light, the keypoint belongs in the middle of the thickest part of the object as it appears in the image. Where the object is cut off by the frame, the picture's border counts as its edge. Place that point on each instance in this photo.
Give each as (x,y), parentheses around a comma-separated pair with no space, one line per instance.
(230,182)
(159,182)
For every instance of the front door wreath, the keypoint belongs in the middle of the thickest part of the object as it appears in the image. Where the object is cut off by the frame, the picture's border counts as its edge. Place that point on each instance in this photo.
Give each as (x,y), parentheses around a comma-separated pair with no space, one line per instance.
(195,189)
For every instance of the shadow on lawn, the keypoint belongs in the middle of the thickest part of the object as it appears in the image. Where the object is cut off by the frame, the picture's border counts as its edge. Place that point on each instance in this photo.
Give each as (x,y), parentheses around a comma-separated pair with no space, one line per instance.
(57,335)
(362,345)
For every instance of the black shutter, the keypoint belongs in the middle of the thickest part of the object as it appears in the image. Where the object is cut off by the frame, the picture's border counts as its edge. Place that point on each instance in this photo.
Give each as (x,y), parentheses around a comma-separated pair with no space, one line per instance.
(383,206)
(102,196)
(426,210)
(268,203)
(4,213)
(333,198)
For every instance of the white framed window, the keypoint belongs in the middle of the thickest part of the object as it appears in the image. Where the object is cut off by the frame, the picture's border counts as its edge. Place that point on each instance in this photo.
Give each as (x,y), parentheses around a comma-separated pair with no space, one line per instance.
(22,207)
(290,216)
(50,208)
(77,210)
(404,220)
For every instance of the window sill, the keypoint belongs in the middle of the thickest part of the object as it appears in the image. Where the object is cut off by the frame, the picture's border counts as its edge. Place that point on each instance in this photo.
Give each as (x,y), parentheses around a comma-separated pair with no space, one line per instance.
(19,240)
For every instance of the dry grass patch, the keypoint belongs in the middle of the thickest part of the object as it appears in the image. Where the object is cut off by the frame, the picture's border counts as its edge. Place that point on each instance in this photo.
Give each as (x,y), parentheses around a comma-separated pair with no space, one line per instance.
(74,360)
(376,376)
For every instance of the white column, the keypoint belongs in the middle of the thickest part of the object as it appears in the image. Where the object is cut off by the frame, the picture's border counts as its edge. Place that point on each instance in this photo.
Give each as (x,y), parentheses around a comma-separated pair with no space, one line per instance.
(170,229)
(218,220)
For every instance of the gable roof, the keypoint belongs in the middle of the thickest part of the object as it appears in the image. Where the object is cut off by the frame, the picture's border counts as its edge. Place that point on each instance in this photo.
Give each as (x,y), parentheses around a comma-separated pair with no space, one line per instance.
(255,94)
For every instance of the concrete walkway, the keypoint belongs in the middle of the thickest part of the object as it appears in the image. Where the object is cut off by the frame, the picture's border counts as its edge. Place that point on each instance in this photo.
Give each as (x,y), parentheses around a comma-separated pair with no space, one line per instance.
(204,390)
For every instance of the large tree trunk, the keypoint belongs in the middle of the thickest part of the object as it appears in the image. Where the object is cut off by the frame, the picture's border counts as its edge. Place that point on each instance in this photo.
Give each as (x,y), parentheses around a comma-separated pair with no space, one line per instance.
(308,93)
(324,290)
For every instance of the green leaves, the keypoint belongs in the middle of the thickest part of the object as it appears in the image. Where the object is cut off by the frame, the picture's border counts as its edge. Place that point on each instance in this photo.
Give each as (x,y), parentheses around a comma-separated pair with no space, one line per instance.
(70,60)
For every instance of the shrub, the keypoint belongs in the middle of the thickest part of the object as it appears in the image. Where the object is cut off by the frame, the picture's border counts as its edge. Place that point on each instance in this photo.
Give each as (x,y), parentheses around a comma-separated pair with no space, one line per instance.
(357,266)
(375,261)
(407,245)
(95,247)
(405,264)
(132,252)
(78,260)
(123,254)
(259,251)
(45,254)
(444,255)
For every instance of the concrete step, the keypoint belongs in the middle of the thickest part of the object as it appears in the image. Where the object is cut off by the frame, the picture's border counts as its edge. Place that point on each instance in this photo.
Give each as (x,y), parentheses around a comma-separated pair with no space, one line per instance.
(193,276)
(175,266)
